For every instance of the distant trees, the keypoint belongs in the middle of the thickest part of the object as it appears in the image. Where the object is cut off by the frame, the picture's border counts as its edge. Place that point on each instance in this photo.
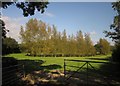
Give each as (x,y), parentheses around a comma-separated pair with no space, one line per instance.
(103,47)
(10,45)
(41,39)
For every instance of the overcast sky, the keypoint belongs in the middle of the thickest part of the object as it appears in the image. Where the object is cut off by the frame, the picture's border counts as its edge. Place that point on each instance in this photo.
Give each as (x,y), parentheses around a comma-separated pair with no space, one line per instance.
(89,17)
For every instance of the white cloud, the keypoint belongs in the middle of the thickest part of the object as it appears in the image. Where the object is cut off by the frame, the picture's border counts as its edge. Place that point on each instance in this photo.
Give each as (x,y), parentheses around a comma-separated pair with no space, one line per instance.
(13,25)
(93,33)
(48,14)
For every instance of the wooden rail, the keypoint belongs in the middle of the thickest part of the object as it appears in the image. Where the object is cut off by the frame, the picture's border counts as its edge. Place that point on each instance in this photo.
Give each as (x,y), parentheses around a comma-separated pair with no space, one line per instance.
(86,62)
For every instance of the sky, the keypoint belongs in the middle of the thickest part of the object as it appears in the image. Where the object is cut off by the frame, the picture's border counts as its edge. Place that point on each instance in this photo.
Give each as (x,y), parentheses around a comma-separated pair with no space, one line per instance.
(89,17)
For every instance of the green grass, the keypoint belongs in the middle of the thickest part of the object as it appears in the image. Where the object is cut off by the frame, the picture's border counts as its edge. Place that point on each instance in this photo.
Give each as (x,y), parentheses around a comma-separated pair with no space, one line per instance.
(22,56)
(50,63)
(47,64)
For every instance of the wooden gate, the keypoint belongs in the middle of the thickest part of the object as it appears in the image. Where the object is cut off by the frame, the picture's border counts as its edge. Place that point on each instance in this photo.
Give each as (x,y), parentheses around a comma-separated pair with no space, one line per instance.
(87,65)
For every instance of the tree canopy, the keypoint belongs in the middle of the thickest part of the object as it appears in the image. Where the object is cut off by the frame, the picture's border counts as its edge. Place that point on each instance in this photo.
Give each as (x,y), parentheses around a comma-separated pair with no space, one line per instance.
(41,39)
(28,8)
(10,45)
(104,46)
(115,33)
(4,30)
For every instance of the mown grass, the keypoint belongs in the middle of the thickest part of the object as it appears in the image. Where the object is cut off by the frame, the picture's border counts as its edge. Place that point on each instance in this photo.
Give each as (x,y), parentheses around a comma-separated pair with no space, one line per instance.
(50,63)
(47,65)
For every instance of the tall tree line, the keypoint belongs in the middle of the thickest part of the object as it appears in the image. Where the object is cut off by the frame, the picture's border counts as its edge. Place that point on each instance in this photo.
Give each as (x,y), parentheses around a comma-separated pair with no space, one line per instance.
(41,39)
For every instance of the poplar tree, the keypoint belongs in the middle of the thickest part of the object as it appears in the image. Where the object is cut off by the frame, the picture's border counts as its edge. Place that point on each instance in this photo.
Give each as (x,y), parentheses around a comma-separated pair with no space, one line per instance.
(90,50)
(64,42)
(80,44)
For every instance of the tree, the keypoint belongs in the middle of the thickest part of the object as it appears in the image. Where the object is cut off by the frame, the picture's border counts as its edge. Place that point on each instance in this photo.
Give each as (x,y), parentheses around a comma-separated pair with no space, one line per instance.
(54,38)
(10,45)
(4,30)
(115,33)
(90,50)
(40,39)
(72,45)
(97,47)
(104,46)
(36,37)
(28,8)
(64,42)
(116,53)
(81,47)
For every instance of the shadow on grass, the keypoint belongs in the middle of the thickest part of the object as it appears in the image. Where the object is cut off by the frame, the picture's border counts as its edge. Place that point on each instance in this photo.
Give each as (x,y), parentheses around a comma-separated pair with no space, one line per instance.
(10,71)
(112,72)
(35,71)
(36,65)
(30,68)
(8,61)
(31,65)
(50,75)
(51,67)
(105,59)
(108,74)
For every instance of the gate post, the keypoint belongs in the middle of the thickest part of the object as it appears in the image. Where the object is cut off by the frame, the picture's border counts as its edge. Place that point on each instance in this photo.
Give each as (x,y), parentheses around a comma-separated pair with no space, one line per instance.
(23,71)
(87,72)
(64,68)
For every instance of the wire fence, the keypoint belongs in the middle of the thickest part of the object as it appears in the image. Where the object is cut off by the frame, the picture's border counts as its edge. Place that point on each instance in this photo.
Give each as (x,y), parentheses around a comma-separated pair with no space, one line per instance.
(12,74)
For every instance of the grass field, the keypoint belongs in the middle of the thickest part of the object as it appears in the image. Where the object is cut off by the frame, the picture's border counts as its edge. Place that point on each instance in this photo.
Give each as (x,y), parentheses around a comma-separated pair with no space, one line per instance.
(43,67)
(50,63)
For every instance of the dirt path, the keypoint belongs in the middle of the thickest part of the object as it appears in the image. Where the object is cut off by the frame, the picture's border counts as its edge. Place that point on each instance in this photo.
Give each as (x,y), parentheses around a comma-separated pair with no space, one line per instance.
(56,78)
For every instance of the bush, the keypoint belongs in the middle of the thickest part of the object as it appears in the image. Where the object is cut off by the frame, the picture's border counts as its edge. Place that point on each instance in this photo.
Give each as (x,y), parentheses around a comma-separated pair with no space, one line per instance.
(116,53)
(10,45)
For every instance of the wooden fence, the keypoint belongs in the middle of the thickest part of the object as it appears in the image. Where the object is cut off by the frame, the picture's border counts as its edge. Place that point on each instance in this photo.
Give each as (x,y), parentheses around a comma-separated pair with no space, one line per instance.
(78,68)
